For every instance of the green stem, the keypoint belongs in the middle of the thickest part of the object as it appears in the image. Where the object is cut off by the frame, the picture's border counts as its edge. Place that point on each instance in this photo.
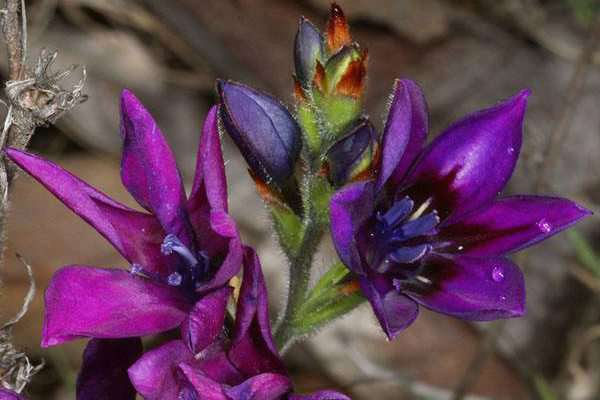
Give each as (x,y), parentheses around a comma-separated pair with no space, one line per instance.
(300,263)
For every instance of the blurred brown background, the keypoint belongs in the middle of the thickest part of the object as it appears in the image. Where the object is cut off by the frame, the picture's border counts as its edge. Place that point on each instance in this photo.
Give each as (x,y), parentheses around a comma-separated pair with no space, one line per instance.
(465,54)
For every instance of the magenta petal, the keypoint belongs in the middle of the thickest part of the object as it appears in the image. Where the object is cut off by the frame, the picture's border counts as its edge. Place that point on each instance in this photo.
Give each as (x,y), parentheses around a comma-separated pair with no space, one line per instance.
(155,375)
(6,394)
(349,208)
(103,374)
(114,221)
(405,131)
(261,387)
(108,303)
(393,310)
(252,349)
(321,395)
(230,266)
(208,388)
(467,165)
(205,320)
(210,170)
(511,224)
(473,288)
(149,170)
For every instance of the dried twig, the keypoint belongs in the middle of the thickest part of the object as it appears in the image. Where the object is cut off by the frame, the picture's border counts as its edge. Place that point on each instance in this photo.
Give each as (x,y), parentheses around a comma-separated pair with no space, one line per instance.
(16,370)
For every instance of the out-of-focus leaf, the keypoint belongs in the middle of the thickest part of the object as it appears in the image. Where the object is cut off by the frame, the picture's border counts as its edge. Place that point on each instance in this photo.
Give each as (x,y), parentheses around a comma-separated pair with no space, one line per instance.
(543,389)
(585,254)
(584,10)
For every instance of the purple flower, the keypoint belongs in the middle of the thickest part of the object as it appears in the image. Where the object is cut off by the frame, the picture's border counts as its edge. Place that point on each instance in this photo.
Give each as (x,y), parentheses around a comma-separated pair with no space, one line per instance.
(209,364)
(429,228)
(6,394)
(180,250)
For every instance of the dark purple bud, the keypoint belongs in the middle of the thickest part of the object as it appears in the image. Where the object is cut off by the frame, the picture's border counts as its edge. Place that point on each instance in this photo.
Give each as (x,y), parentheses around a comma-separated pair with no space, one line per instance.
(309,47)
(266,134)
(347,155)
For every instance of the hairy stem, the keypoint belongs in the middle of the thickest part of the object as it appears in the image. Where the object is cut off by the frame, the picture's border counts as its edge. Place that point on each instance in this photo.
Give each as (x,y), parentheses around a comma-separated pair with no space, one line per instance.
(300,264)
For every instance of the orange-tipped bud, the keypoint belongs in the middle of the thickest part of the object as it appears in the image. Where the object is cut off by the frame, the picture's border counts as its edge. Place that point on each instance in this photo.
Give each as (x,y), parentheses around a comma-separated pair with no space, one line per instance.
(319,78)
(352,82)
(299,91)
(338,31)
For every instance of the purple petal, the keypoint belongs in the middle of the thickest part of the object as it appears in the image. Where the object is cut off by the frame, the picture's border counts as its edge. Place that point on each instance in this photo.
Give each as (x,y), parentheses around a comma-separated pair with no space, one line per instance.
(108,303)
(468,164)
(348,152)
(263,129)
(207,387)
(208,200)
(511,224)
(155,375)
(135,235)
(252,349)
(405,131)
(205,321)
(349,208)
(473,288)
(6,394)
(393,310)
(210,170)
(229,267)
(103,374)
(261,387)
(149,171)
(308,48)
(321,395)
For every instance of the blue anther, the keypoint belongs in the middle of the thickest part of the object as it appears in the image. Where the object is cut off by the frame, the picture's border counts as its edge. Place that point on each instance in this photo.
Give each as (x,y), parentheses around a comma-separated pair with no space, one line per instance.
(171,244)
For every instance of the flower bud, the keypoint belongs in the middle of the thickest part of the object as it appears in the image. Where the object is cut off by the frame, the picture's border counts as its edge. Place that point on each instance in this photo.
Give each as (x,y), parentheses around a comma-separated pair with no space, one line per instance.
(309,48)
(266,134)
(352,154)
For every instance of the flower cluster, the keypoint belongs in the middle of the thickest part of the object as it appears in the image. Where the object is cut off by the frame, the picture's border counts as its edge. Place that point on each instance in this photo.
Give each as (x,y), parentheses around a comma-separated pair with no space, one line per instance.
(413,224)
(183,253)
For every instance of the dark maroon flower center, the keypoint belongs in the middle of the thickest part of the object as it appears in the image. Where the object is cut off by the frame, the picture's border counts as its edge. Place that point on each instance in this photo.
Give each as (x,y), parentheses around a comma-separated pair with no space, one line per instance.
(400,236)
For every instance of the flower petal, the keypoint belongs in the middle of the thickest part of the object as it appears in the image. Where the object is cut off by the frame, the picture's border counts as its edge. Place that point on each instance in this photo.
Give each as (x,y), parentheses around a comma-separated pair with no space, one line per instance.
(473,288)
(6,394)
(252,349)
(149,171)
(511,224)
(108,303)
(394,311)
(205,320)
(229,267)
(405,131)
(321,395)
(137,236)
(349,208)
(261,387)
(263,129)
(467,165)
(155,375)
(103,373)
(210,389)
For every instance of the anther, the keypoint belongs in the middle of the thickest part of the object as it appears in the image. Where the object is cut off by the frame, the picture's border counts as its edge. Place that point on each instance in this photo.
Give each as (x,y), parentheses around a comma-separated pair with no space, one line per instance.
(172,244)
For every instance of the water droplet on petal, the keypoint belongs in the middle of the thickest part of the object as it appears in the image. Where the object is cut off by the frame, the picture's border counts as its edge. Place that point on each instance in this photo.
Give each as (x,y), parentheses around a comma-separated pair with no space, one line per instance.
(502,298)
(510,150)
(498,274)
(174,279)
(544,226)
(460,248)
(135,269)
